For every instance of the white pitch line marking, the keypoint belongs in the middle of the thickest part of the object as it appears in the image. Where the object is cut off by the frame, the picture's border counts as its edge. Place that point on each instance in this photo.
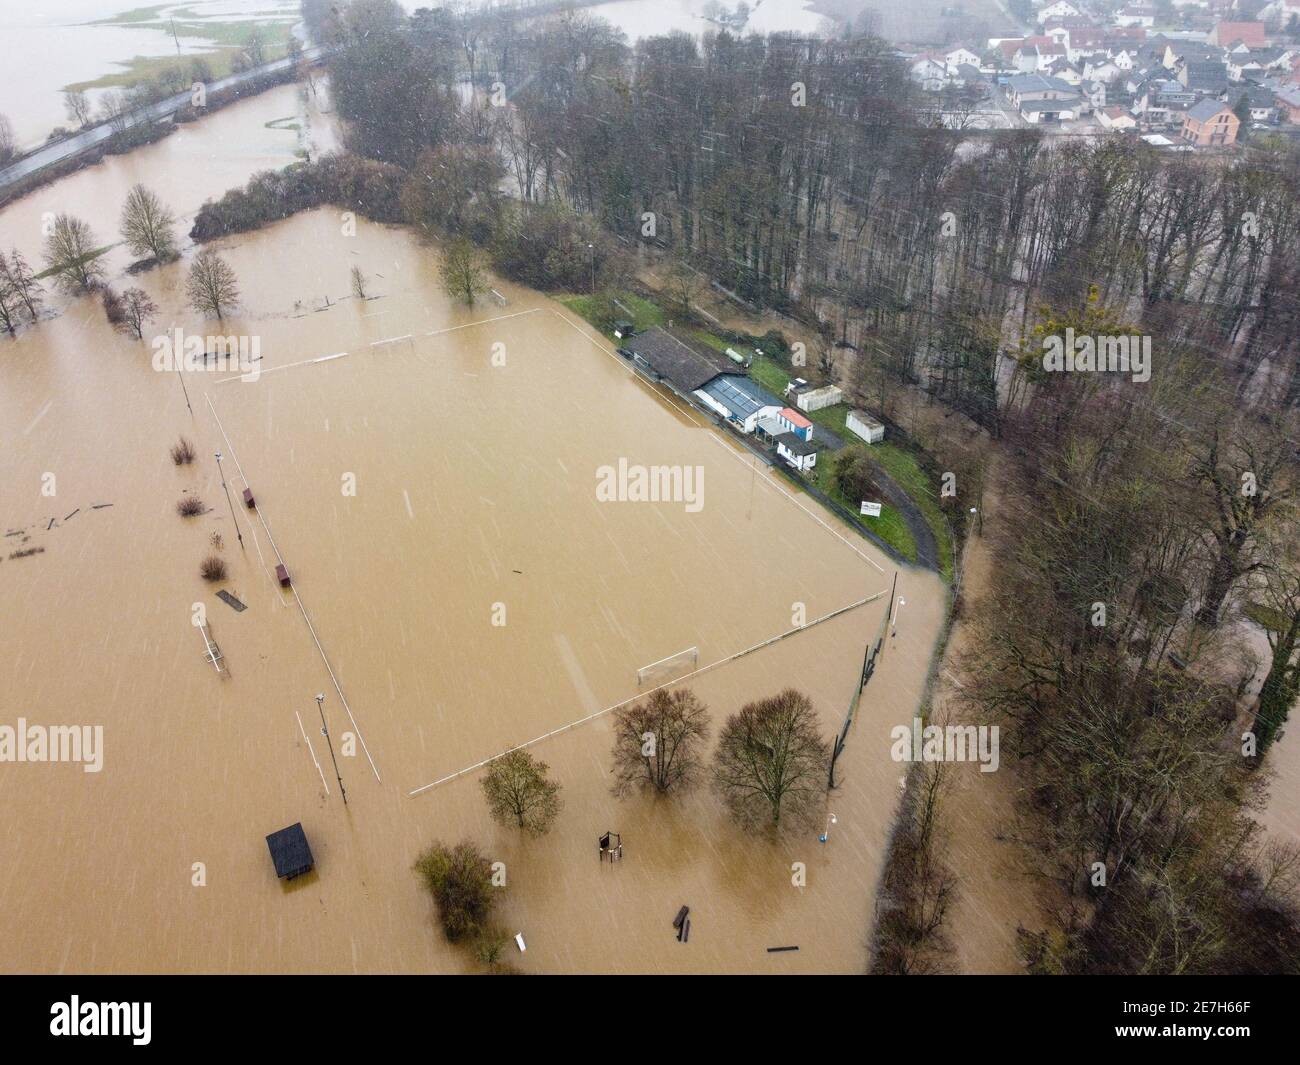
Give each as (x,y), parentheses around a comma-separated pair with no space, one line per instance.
(409,512)
(43,411)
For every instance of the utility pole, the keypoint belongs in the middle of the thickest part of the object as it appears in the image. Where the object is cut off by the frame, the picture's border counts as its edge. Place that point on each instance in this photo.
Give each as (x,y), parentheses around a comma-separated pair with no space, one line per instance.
(228,500)
(181,377)
(320,705)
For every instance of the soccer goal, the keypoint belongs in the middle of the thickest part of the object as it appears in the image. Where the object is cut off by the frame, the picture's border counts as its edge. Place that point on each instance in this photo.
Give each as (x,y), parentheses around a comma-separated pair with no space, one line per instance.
(667,668)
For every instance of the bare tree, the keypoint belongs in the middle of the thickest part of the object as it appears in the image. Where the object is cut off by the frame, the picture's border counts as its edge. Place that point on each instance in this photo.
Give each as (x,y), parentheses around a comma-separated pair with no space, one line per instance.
(147,225)
(115,109)
(137,310)
(24,282)
(19,289)
(358,283)
(8,143)
(770,764)
(462,276)
(1281,588)
(518,792)
(211,286)
(8,306)
(77,106)
(657,742)
(71,254)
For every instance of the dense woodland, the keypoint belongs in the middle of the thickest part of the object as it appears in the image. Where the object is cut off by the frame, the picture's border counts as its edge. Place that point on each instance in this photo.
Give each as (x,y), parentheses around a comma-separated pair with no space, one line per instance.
(1138,522)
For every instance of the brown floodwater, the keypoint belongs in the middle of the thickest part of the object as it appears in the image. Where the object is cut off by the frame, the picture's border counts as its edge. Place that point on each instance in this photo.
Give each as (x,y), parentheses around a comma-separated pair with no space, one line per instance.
(199,161)
(474,486)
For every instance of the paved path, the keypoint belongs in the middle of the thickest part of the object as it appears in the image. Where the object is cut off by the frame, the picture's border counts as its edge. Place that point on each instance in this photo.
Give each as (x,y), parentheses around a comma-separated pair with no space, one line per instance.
(927,548)
(86,139)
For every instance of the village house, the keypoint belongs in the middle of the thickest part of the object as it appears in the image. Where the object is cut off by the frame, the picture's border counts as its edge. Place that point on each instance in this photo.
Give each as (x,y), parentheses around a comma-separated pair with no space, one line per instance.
(929,73)
(1116,118)
(1094,95)
(1204,77)
(959,56)
(1251,34)
(1143,15)
(1210,123)
(1287,100)
(1059,9)
(1263,107)
(1101,68)
(1041,99)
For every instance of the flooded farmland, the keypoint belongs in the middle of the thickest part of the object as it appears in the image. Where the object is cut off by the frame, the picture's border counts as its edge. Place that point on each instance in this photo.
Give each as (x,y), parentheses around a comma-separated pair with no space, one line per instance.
(474,486)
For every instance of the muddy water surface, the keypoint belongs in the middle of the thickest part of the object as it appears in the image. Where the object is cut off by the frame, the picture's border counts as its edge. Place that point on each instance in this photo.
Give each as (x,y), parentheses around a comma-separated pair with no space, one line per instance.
(474,494)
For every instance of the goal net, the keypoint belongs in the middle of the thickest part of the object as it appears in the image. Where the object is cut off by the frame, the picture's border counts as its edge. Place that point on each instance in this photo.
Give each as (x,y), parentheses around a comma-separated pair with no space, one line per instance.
(667,668)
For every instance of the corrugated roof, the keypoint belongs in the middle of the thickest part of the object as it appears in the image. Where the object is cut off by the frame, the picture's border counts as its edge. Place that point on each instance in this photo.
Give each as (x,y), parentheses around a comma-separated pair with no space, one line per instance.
(739,395)
(795,418)
(685,365)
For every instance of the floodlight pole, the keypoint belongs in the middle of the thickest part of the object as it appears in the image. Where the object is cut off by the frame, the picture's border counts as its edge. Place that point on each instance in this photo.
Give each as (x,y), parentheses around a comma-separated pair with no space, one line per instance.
(320,705)
(826,833)
(181,377)
(228,501)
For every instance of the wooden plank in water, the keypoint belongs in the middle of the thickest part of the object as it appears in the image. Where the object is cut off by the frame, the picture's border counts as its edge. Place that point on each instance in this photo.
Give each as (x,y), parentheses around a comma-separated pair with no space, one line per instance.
(681,916)
(226,597)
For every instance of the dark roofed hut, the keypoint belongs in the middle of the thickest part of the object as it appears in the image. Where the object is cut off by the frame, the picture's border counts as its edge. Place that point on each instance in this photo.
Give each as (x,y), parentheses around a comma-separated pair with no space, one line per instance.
(685,366)
(290,852)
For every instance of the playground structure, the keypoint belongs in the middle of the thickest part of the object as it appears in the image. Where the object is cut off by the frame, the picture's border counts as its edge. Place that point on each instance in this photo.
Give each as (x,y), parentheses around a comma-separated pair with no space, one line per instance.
(611,847)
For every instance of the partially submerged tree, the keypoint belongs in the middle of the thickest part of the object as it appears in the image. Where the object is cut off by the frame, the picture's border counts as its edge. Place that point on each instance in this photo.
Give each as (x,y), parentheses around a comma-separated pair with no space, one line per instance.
(770,764)
(137,311)
(657,742)
(71,254)
(148,225)
(460,880)
(518,792)
(76,104)
(1281,584)
(211,286)
(462,276)
(8,143)
(22,282)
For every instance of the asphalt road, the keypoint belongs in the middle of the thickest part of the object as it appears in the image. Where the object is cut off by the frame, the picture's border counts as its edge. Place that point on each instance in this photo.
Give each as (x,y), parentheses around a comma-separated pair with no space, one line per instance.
(83,141)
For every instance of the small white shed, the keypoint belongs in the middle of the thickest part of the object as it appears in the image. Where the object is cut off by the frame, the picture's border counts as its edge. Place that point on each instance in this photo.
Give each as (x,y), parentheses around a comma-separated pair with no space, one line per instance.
(862,424)
(818,398)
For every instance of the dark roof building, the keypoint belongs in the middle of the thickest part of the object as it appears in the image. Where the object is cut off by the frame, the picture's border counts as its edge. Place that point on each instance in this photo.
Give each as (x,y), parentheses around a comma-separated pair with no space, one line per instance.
(1208,76)
(796,444)
(290,851)
(684,365)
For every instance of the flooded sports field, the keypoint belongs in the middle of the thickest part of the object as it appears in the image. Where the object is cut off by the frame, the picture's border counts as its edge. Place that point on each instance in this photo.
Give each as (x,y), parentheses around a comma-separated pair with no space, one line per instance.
(474,500)
(428,474)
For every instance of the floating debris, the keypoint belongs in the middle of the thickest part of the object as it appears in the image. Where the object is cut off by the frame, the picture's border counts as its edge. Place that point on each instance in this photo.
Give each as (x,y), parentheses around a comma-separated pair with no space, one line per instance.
(226,597)
(73,514)
(28,553)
